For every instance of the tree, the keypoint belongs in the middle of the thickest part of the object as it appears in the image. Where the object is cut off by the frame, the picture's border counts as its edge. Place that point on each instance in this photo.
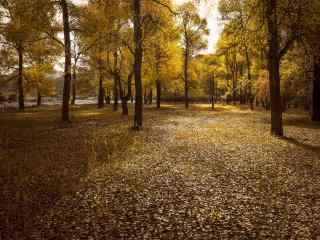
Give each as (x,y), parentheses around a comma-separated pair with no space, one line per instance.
(277,25)
(67,61)
(42,56)
(160,49)
(193,29)
(310,40)
(22,28)
(138,54)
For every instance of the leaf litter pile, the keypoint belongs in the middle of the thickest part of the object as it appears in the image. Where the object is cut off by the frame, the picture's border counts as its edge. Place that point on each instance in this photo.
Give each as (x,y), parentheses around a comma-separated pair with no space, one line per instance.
(189,175)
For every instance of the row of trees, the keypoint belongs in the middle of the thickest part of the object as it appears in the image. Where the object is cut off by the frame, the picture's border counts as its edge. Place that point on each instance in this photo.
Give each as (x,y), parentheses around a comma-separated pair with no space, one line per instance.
(267,54)
(118,44)
(271,53)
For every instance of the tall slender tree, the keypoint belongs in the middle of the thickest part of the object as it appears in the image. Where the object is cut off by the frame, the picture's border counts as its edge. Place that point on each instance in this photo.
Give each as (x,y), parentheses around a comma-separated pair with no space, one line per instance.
(193,29)
(67,61)
(138,54)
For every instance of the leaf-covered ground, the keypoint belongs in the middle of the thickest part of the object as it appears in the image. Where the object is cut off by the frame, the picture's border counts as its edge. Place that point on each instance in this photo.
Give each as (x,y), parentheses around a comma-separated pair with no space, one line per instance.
(193,174)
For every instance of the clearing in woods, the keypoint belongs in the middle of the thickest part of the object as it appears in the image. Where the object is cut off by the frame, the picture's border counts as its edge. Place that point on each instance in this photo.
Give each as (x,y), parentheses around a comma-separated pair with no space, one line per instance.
(191,174)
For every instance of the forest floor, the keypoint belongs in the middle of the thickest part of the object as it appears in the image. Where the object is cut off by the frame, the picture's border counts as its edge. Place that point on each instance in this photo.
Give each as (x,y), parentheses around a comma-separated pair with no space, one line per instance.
(190,174)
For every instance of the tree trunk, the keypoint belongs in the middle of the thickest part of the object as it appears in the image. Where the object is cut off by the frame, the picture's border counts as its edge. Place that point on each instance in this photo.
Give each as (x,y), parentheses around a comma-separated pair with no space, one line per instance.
(316,90)
(158,93)
(274,69)
(67,65)
(39,97)
(212,92)
(284,104)
(234,88)
(251,98)
(20,79)
(145,98)
(138,53)
(123,98)
(101,90)
(150,96)
(175,97)
(186,85)
(125,110)
(74,79)
(158,81)
(107,99)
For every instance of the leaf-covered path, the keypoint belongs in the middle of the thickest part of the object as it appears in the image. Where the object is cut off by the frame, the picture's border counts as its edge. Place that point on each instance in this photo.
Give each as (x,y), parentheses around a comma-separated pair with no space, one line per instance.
(195,175)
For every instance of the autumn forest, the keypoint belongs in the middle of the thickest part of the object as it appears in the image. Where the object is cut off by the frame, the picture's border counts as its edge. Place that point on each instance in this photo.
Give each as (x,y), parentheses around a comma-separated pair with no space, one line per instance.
(159,119)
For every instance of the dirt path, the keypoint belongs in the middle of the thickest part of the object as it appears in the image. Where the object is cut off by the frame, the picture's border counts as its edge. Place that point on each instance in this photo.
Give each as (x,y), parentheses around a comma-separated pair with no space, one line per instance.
(198,175)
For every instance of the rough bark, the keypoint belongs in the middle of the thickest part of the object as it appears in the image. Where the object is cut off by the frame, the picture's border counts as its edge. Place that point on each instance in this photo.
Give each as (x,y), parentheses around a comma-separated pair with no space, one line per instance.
(67,65)
(274,68)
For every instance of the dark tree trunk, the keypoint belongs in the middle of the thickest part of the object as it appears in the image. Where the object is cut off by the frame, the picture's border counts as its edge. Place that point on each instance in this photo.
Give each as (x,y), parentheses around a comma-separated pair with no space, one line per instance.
(212,91)
(125,110)
(74,79)
(158,81)
(125,98)
(101,91)
(158,93)
(150,96)
(284,104)
(20,79)
(39,97)
(268,105)
(145,96)
(250,94)
(67,65)
(316,91)
(186,84)
(115,94)
(274,69)
(138,53)
(175,97)
(116,85)
(234,89)
(241,97)
(107,99)
(124,104)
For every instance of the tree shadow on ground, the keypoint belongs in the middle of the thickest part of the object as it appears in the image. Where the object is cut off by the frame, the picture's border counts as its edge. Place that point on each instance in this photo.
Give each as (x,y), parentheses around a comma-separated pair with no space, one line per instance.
(308,147)
(293,120)
(302,122)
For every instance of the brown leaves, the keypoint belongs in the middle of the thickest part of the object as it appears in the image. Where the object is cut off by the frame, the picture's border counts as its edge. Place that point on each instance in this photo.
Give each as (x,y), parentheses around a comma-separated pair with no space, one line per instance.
(188,175)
